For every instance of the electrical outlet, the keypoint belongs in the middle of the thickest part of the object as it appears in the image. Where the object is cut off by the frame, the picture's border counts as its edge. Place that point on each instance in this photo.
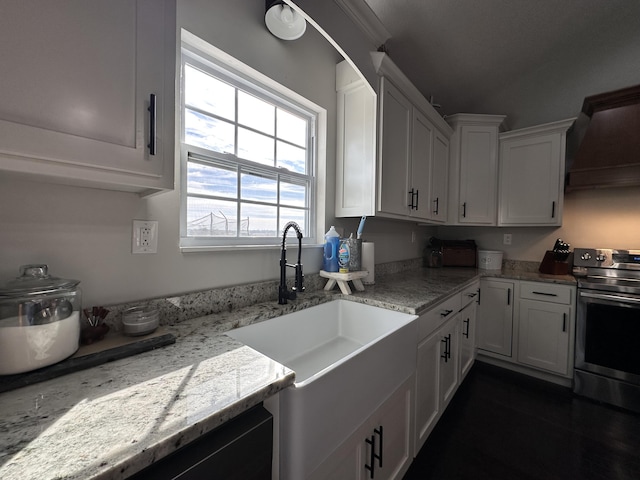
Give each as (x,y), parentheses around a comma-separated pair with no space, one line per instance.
(506,239)
(145,236)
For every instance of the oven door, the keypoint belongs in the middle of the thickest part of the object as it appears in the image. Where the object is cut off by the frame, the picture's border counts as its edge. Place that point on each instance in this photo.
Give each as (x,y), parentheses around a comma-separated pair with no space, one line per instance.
(608,334)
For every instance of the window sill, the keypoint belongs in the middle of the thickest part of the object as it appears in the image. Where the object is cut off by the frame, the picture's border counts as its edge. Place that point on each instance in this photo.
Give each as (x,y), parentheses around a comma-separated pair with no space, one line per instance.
(243,248)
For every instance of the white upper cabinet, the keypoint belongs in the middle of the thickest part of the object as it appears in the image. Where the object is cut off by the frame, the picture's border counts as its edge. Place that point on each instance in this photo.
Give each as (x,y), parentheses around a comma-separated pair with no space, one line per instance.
(400,173)
(78,81)
(356,140)
(413,148)
(439,178)
(394,166)
(473,169)
(532,175)
(422,134)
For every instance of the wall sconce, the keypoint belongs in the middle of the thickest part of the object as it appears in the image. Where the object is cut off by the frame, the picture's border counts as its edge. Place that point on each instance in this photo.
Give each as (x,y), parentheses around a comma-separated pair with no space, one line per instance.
(283,21)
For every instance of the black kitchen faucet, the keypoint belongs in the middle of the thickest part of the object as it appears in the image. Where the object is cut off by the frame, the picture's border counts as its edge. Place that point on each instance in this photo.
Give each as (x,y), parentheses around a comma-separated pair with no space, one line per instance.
(283,293)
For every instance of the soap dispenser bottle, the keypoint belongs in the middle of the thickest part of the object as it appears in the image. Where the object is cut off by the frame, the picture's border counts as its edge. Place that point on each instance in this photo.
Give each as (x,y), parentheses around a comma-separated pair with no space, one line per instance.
(330,256)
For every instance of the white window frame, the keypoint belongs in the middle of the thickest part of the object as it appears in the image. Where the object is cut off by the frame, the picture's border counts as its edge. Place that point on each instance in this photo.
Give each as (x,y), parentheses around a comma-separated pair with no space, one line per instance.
(200,52)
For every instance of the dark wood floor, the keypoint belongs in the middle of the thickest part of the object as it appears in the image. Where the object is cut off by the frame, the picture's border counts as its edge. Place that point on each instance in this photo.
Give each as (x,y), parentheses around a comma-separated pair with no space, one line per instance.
(503,425)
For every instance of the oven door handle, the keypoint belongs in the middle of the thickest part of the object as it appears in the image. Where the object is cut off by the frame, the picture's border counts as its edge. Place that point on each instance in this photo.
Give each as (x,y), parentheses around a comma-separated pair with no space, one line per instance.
(616,298)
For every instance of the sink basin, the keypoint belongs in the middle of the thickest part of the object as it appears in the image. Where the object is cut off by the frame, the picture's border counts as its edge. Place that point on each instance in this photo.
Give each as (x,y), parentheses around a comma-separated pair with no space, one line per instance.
(348,358)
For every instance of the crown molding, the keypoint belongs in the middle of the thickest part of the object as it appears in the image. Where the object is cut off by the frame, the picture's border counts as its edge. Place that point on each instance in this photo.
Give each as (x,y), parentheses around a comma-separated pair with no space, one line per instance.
(362,15)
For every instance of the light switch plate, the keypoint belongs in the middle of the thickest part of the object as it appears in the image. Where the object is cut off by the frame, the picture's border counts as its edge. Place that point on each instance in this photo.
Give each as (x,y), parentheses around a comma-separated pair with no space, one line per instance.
(145,236)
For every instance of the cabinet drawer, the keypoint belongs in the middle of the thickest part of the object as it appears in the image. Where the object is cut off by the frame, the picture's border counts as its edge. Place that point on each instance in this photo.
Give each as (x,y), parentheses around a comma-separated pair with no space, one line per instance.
(547,292)
(469,294)
(436,316)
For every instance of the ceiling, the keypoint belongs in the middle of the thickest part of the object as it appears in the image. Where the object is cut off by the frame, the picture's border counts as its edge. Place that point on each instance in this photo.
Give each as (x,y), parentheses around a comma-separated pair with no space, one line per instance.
(534,60)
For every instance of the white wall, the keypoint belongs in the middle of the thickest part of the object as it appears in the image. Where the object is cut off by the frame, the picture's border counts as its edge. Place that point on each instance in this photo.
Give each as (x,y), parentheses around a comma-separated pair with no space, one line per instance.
(85,233)
(606,218)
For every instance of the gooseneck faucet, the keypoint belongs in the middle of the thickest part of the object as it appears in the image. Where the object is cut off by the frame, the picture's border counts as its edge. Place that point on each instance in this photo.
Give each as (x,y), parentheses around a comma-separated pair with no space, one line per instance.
(283,293)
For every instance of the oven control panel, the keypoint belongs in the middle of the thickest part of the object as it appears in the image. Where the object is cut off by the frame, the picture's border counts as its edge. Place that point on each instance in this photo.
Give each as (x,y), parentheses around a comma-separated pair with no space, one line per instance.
(592,257)
(606,258)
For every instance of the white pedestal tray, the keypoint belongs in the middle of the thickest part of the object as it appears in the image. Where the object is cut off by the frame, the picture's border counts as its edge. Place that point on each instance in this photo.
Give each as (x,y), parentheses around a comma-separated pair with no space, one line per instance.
(342,279)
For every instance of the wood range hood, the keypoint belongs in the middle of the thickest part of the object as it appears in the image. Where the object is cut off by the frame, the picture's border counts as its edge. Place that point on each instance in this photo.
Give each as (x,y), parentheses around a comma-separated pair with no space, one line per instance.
(603,149)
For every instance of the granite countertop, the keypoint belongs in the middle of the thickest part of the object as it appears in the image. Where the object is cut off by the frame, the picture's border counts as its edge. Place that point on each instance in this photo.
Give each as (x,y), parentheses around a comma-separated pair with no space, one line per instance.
(111,421)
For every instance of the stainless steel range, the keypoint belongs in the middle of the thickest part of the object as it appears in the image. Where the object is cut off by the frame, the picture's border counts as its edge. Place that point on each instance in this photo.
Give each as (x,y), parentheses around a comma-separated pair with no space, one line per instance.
(607,363)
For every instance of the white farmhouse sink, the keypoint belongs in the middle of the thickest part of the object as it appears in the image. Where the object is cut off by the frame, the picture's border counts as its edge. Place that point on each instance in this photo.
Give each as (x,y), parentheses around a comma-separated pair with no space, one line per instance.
(348,358)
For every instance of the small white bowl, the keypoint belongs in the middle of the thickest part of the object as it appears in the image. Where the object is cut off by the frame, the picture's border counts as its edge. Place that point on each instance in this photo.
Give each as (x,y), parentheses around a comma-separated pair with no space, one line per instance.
(140,321)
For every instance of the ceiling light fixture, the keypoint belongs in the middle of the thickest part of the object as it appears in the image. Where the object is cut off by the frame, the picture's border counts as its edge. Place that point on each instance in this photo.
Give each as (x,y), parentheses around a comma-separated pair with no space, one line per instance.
(283,21)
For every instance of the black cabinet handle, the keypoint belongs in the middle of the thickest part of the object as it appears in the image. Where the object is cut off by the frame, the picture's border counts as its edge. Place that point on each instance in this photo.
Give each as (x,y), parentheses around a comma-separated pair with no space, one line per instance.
(564,322)
(371,441)
(545,293)
(373,456)
(152,124)
(464,209)
(412,193)
(378,431)
(466,332)
(508,296)
(449,346)
(445,354)
(553,209)
(478,296)
(437,202)
(417,198)
(446,313)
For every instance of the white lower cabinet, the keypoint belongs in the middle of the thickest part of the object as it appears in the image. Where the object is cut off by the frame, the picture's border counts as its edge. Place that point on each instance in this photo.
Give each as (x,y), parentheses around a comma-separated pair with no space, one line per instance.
(449,361)
(545,326)
(495,327)
(427,389)
(381,448)
(541,335)
(467,337)
(446,340)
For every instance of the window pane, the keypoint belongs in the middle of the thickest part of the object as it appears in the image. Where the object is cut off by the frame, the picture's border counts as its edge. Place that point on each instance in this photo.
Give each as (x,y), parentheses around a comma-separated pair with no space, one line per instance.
(207,93)
(212,180)
(258,220)
(292,158)
(292,194)
(211,218)
(292,128)
(207,132)
(256,113)
(259,188)
(293,215)
(255,147)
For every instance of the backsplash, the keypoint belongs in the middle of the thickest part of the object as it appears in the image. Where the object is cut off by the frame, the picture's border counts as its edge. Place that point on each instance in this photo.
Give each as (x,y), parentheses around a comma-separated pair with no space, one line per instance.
(183,307)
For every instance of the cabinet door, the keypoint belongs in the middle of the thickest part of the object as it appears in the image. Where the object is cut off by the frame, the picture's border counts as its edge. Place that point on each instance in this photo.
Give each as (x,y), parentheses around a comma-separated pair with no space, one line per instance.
(389,438)
(531,180)
(420,180)
(77,79)
(478,174)
(356,144)
(439,178)
(467,338)
(495,316)
(449,358)
(543,335)
(395,147)
(427,405)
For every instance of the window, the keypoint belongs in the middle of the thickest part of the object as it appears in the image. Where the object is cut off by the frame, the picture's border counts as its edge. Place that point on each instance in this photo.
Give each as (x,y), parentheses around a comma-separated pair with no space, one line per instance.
(248,157)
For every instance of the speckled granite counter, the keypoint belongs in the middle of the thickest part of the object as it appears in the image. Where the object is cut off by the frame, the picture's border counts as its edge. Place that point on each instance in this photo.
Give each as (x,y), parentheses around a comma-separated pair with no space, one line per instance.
(111,421)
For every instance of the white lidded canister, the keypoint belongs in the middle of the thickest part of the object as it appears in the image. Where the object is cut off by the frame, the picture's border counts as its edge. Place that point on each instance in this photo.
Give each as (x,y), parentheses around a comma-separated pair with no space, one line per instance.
(490,259)
(39,320)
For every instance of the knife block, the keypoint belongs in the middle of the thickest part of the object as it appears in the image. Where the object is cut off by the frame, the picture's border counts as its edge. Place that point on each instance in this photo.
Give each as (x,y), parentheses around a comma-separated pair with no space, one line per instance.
(551,265)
